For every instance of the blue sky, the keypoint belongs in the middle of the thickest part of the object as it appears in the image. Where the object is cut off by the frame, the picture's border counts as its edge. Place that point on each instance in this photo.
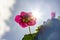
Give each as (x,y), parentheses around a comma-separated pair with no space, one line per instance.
(44,6)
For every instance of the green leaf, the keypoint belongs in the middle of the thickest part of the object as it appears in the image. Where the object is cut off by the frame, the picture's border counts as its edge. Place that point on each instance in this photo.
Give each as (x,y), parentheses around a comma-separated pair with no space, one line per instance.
(29,36)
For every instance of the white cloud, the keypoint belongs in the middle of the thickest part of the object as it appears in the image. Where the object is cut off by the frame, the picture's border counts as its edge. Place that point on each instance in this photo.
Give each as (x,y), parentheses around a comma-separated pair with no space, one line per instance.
(5,14)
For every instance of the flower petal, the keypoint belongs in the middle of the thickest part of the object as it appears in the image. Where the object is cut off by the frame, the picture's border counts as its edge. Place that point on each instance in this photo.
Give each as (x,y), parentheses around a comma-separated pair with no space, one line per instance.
(31,23)
(18,18)
(23,13)
(30,14)
(23,25)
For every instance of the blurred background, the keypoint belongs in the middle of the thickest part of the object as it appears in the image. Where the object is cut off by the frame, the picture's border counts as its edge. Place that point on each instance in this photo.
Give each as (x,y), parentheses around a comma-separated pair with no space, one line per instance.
(41,10)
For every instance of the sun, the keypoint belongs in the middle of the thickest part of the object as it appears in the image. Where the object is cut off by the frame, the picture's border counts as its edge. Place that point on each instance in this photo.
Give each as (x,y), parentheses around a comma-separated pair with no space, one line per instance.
(37,14)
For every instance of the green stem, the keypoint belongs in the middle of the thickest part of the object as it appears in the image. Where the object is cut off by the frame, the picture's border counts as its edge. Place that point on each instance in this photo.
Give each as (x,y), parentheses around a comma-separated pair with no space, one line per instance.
(30,33)
(29,30)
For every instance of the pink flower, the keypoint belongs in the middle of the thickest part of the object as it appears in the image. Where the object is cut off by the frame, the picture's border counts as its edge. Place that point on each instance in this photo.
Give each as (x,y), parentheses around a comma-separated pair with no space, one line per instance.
(25,19)
(53,14)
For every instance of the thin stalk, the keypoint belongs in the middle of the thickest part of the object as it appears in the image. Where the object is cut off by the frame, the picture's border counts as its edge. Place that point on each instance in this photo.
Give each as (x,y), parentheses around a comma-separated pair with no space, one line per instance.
(30,32)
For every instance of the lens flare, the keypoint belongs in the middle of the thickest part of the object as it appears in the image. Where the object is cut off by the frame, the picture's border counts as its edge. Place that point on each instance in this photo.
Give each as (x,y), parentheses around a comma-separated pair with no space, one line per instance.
(37,14)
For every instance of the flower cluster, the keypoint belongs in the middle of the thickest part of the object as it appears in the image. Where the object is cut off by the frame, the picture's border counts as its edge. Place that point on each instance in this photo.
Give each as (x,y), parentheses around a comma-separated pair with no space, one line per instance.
(25,19)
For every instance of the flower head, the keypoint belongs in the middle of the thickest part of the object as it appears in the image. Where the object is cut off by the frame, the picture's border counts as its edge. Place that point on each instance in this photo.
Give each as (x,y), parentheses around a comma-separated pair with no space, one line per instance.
(25,19)
(53,14)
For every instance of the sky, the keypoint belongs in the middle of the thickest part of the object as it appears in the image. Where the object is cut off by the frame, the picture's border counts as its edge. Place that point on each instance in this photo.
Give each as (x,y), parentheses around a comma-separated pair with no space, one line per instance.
(40,8)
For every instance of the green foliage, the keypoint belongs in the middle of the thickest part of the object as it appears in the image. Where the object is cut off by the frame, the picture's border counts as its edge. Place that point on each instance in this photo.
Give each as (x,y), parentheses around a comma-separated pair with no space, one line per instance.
(29,36)
(59,17)
(38,28)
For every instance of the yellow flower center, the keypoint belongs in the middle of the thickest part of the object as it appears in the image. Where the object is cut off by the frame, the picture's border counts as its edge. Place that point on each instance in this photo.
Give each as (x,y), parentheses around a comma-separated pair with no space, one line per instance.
(25,20)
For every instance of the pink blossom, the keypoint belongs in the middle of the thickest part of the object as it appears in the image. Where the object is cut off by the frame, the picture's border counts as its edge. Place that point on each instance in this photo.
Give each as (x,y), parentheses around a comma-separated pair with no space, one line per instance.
(53,14)
(25,19)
